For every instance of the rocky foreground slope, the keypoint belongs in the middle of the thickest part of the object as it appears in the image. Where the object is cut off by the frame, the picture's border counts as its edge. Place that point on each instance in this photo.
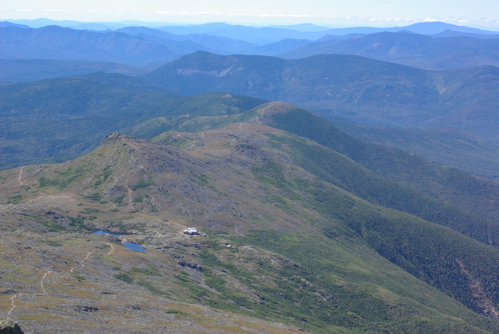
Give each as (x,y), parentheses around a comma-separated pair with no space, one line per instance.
(281,249)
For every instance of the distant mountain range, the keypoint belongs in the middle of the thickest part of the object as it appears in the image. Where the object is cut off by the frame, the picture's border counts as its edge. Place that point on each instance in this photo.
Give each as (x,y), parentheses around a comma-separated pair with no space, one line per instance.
(426,45)
(183,44)
(338,87)
(266,35)
(15,70)
(53,42)
(409,49)
(356,88)
(230,30)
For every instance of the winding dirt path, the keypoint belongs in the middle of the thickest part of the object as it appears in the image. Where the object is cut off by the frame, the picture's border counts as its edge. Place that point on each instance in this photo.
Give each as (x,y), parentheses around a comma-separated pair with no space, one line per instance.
(20,176)
(81,262)
(112,249)
(13,305)
(45,275)
(68,196)
(12,299)
(41,282)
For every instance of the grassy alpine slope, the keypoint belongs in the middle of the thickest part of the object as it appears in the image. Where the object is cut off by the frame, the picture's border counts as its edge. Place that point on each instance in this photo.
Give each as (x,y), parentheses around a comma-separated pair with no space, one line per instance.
(469,201)
(304,250)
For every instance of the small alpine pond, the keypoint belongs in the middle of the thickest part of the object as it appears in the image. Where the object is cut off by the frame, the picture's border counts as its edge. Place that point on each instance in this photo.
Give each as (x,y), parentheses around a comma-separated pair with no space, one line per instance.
(129,245)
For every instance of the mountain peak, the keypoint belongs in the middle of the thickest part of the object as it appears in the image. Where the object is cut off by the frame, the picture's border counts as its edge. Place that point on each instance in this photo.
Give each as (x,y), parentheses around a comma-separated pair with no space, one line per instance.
(267,110)
(275,107)
(113,138)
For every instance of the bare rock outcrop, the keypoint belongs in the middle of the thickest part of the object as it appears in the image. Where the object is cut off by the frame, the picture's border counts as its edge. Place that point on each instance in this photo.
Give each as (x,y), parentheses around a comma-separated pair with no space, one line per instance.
(8,326)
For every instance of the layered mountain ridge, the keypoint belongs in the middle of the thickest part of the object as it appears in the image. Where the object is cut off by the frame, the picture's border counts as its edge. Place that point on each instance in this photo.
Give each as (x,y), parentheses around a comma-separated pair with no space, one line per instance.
(256,189)
(197,199)
(358,89)
(408,49)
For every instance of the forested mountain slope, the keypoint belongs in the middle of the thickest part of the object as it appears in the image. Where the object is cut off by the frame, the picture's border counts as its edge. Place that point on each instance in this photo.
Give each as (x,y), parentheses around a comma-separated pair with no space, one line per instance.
(356,88)
(65,117)
(409,49)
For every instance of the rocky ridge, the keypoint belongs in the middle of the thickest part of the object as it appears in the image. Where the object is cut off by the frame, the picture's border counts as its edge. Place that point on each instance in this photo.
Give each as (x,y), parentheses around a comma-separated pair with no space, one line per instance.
(264,222)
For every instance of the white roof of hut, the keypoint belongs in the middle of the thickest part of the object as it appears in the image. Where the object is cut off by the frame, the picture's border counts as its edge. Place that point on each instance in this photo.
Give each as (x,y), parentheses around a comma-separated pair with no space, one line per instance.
(191,230)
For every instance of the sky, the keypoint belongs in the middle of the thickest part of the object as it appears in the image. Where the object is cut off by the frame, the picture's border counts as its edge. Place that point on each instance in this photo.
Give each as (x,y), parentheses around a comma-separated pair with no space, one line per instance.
(478,13)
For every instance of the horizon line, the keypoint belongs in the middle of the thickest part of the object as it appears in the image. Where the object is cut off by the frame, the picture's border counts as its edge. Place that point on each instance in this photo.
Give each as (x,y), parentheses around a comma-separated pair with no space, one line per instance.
(364,23)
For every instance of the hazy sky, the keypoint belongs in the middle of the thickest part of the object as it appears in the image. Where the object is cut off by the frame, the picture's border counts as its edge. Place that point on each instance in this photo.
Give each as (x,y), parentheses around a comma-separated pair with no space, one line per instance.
(351,12)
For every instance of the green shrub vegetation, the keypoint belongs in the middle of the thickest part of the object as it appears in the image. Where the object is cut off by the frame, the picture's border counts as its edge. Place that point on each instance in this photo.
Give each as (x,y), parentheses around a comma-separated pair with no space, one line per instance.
(53,243)
(78,223)
(124,277)
(176,312)
(142,184)
(15,199)
(95,197)
(150,271)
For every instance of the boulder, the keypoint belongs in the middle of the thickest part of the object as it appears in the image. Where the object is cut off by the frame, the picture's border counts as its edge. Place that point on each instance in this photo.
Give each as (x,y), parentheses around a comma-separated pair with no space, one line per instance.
(8,326)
